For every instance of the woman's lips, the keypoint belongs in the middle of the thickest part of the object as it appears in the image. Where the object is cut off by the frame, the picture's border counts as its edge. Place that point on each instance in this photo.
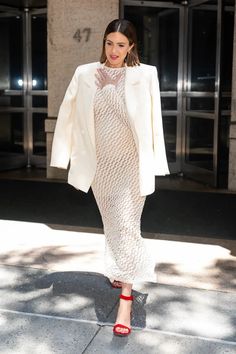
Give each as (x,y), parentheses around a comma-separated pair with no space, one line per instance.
(114,57)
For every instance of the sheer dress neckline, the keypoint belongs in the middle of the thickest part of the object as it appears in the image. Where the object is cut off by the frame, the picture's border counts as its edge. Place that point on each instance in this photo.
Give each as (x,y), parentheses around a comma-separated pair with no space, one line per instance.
(111,68)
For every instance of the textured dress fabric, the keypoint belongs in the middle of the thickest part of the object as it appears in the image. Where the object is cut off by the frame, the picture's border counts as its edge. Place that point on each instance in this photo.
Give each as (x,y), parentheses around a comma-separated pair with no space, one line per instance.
(116,186)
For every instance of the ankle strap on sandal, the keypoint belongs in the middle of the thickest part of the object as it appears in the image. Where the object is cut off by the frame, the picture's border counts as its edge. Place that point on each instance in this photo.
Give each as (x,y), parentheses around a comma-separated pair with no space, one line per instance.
(123,297)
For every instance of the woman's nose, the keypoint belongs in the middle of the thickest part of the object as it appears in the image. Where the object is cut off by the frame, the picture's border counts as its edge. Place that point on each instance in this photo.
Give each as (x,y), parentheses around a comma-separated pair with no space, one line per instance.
(113,50)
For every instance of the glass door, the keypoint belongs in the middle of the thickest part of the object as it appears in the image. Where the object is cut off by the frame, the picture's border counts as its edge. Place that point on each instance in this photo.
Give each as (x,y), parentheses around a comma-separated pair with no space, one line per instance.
(191,44)
(12,115)
(201,93)
(37,88)
(207,91)
(160,36)
(23,87)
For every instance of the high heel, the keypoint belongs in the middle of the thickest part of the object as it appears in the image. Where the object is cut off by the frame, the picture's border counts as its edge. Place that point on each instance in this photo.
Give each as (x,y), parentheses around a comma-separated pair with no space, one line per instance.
(119,325)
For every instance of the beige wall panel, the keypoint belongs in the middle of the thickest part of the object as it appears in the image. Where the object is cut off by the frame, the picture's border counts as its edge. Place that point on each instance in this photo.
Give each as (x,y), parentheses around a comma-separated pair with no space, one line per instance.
(88,20)
(65,53)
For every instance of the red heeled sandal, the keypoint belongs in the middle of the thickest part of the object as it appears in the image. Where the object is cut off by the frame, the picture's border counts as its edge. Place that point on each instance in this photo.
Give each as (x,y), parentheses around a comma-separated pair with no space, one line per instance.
(119,325)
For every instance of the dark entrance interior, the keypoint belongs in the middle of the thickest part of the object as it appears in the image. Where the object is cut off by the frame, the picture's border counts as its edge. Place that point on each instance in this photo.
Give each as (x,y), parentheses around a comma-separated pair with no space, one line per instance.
(191,43)
(23,83)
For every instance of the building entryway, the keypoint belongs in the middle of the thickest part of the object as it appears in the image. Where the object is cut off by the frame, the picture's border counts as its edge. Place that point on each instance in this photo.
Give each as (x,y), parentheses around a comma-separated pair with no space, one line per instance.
(23,86)
(191,43)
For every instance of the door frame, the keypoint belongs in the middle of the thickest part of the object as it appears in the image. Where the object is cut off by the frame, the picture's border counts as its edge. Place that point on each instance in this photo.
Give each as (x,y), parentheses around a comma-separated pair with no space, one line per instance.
(201,174)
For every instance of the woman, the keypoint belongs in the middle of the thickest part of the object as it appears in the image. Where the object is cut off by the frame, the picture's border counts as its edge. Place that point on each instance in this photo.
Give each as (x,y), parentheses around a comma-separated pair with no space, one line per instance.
(110,129)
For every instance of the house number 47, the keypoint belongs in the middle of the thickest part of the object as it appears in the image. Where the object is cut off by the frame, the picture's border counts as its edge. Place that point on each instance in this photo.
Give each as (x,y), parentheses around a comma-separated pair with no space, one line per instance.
(82,34)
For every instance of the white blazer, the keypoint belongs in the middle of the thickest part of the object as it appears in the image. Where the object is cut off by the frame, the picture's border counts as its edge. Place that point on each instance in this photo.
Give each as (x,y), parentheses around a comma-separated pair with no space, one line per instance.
(74,137)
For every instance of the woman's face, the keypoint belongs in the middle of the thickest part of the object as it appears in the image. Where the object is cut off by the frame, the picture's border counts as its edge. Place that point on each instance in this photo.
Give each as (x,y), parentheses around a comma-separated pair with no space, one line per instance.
(116,49)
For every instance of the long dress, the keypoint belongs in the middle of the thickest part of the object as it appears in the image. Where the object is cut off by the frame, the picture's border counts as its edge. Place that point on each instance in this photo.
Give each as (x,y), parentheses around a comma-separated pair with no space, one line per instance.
(116,186)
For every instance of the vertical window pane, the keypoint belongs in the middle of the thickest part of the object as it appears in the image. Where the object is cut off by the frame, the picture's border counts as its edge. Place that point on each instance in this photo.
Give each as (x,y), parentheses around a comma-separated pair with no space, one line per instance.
(227,50)
(223,151)
(40,101)
(203,50)
(158,40)
(39,52)
(11,58)
(170,128)
(168,49)
(11,133)
(199,147)
(39,135)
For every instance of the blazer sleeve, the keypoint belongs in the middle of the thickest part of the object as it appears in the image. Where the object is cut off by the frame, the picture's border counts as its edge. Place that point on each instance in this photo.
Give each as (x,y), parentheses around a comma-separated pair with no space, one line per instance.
(160,159)
(62,140)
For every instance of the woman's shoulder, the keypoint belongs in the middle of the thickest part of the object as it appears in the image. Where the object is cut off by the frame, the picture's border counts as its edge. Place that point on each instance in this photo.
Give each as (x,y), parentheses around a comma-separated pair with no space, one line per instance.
(87,67)
(145,68)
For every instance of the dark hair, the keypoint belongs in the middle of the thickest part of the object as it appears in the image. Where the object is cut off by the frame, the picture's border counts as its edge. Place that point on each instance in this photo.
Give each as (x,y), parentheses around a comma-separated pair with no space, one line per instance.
(128,30)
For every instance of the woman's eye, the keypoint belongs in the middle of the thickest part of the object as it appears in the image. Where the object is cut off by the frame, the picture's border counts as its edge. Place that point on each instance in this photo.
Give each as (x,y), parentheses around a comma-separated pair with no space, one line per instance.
(108,43)
(121,45)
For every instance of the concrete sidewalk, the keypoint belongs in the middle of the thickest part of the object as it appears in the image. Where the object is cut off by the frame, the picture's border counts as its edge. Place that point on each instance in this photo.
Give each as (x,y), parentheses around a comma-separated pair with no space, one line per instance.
(54,298)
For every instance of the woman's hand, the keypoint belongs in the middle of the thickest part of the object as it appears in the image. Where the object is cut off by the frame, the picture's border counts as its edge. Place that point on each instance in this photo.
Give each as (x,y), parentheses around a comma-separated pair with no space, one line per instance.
(104,79)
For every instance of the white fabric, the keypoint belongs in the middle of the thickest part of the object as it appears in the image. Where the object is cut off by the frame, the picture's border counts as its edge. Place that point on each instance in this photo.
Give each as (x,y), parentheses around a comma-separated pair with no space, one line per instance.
(74,137)
(116,186)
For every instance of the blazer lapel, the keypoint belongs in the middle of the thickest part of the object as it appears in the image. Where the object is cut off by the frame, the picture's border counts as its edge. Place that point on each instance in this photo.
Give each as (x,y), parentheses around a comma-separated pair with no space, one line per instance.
(90,80)
(132,79)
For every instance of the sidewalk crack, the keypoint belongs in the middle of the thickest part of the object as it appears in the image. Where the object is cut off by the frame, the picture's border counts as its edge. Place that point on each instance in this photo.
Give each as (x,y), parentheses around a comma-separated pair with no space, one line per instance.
(99,329)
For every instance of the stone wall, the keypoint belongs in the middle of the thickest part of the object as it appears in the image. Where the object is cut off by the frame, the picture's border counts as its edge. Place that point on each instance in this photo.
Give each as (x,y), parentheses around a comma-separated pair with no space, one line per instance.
(232,142)
(75,30)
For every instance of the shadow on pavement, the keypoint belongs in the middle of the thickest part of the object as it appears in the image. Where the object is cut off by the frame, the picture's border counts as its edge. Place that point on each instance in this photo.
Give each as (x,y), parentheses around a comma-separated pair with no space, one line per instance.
(95,287)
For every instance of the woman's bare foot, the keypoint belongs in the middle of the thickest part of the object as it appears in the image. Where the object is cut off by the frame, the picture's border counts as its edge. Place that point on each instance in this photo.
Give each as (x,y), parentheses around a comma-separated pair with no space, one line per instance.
(124,311)
(124,316)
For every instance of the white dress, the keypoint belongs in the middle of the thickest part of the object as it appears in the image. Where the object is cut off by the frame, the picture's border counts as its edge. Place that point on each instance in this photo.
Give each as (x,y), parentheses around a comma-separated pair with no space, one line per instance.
(116,186)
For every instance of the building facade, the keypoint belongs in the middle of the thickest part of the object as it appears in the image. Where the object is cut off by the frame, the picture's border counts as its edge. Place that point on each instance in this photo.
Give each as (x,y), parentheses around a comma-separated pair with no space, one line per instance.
(193,45)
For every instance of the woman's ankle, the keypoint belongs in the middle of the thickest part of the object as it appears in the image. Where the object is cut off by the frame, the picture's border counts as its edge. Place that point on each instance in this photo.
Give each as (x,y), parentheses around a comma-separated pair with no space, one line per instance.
(126,289)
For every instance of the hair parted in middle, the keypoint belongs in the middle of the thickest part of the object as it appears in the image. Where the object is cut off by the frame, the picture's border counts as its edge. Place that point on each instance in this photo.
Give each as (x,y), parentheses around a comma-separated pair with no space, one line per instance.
(126,28)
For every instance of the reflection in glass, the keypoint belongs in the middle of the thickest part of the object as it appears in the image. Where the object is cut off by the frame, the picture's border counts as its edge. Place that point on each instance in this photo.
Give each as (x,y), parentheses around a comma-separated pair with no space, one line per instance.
(39,52)
(39,135)
(170,127)
(199,142)
(158,36)
(203,104)
(11,133)
(203,49)
(11,58)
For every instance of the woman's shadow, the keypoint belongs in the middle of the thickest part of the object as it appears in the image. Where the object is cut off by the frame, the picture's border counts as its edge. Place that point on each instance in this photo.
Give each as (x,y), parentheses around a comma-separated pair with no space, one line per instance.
(103,299)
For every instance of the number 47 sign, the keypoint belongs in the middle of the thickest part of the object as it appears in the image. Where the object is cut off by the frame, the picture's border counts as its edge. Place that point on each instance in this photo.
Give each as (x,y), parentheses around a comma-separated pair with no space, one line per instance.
(82,34)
